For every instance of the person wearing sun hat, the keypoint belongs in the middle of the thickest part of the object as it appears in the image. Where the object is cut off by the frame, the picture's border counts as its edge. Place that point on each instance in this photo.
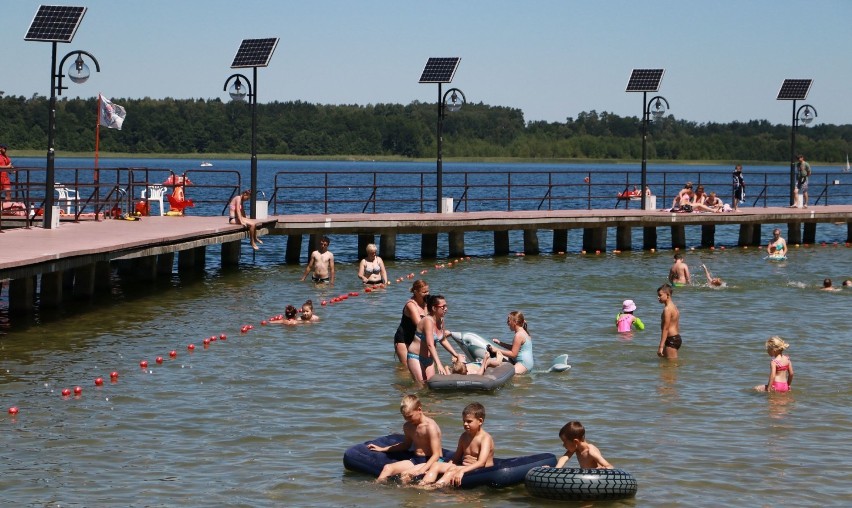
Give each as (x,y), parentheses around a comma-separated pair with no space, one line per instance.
(5,163)
(625,320)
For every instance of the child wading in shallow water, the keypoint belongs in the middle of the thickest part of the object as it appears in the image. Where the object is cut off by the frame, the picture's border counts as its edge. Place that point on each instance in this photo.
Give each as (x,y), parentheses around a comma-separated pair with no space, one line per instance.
(625,320)
(780,367)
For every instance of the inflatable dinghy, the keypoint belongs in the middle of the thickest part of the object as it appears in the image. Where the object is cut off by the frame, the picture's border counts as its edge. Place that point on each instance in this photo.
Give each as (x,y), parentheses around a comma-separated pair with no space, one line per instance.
(575,484)
(494,378)
(503,473)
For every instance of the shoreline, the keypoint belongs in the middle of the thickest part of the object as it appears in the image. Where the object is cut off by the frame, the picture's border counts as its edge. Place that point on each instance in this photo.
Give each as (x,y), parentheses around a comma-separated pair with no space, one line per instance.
(391,158)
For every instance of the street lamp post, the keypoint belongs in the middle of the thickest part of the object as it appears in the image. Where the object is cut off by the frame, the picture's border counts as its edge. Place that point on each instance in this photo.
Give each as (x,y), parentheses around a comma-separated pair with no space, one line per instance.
(803,115)
(78,72)
(456,101)
(658,112)
(238,93)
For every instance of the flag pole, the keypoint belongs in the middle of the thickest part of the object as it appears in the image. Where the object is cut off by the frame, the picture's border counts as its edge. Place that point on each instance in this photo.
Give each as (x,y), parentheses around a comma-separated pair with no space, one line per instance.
(97,148)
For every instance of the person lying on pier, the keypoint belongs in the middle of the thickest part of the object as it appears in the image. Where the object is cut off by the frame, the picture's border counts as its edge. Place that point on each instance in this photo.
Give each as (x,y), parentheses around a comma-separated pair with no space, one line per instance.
(711,203)
(238,216)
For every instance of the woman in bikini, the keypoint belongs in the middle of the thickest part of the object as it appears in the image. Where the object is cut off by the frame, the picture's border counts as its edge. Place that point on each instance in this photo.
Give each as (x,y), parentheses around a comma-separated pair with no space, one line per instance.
(422,357)
(372,271)
(780,367)
(412,313)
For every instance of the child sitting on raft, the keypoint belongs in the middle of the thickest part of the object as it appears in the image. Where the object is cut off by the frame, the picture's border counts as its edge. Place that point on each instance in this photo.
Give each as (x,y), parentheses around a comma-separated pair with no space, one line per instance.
(780,367)
(475,450)
(422,435)
(573,436)
(625,320)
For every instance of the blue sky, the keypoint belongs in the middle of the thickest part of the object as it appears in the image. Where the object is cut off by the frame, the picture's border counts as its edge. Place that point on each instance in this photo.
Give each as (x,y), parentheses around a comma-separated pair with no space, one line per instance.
(724,59)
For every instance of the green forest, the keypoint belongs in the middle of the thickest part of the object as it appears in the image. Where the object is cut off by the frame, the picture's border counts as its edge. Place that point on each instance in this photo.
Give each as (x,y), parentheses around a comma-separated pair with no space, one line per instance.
(199,126)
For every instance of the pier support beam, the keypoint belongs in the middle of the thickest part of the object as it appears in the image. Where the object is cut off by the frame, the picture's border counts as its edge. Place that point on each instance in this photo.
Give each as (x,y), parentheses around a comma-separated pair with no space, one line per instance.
(103,276)
(756,235)
(678,236)
(560,240)
(501,243)
(21,293)
(166,261)
(293,254)
(84,281)
(746,235)
(51,290)
(429,246)
(809,235)
(649,238)
(146,268)
(623,238)
(794,233)
(456,241)
(364,239)
(708,235)
(387,247)
(594,239)
(531,242)
(230,255)
(849,232)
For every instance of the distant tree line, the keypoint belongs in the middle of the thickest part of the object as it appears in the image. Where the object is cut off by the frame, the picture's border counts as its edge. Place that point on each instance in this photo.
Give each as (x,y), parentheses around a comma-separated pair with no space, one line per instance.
(201,126)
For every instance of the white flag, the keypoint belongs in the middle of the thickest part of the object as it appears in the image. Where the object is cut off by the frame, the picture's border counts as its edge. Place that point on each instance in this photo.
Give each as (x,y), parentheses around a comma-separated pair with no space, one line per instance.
(111,115)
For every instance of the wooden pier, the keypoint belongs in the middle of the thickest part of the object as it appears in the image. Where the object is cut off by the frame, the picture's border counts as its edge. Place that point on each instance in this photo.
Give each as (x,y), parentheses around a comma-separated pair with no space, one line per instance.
(80,256)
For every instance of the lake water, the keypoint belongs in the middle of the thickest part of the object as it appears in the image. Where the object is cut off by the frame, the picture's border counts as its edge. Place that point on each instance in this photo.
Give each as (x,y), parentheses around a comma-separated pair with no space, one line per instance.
(263,418)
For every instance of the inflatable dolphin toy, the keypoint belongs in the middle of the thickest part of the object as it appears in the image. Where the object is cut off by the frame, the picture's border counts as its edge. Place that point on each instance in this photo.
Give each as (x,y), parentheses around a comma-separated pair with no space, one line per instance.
(474,348)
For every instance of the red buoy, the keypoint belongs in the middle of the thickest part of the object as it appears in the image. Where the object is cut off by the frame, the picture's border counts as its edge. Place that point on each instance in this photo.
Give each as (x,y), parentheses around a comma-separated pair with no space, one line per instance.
(66,392)
(78,390)
(143,364)
(13,410)
(99,381)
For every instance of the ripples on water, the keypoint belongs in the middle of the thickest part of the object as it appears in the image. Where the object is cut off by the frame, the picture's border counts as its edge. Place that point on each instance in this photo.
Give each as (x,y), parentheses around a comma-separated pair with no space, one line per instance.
(262,419)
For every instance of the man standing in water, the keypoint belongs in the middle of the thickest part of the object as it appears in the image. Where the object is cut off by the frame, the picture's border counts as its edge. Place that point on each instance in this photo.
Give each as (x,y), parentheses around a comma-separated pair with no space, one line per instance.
(670,340)
(322,263)
(679,272)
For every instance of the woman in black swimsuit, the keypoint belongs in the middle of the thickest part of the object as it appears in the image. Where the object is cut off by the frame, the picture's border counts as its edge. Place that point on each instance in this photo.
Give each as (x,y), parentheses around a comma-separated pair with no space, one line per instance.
(414,310)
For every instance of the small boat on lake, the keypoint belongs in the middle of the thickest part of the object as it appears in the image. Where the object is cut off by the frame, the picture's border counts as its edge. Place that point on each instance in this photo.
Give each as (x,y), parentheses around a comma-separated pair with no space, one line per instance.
(206,164)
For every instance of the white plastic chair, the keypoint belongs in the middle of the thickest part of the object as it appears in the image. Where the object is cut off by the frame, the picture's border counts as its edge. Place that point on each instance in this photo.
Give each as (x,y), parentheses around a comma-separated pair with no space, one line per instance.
(69,196)
(154,194)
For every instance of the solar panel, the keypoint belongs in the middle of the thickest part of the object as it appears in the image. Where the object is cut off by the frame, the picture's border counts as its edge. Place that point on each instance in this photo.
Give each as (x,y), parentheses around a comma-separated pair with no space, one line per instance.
(55,23)
(440,70)
(794,89)
(254,53)
(645,80)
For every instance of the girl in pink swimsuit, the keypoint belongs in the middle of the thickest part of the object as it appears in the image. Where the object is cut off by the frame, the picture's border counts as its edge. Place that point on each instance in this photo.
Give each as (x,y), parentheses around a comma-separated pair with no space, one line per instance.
(780,367)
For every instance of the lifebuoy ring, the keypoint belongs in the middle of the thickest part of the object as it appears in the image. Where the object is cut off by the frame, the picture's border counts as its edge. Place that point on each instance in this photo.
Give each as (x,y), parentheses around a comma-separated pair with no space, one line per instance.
(573,484)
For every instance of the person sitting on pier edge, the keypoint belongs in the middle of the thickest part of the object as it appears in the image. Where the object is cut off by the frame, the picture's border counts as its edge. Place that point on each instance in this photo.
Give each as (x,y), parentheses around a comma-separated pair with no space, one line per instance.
(238,215)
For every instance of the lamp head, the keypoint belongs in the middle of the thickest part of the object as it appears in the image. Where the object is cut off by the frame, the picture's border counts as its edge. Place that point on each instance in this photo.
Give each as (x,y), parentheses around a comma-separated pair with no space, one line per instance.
(455,102)
(806,117)
(659,110)
(237,91)
(79,71)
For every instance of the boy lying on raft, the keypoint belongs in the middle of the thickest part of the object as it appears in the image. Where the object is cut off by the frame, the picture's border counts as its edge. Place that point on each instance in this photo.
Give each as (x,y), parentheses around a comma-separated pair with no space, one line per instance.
(494,359)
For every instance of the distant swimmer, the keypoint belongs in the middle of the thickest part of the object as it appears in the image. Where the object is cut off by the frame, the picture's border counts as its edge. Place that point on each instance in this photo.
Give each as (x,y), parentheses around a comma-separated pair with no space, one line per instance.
(827,285)
(679,272)
(712,281)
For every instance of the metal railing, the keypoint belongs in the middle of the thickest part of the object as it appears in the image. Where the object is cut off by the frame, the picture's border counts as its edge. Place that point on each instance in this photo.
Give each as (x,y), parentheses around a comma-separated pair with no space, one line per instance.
(109,192)
(331,192)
